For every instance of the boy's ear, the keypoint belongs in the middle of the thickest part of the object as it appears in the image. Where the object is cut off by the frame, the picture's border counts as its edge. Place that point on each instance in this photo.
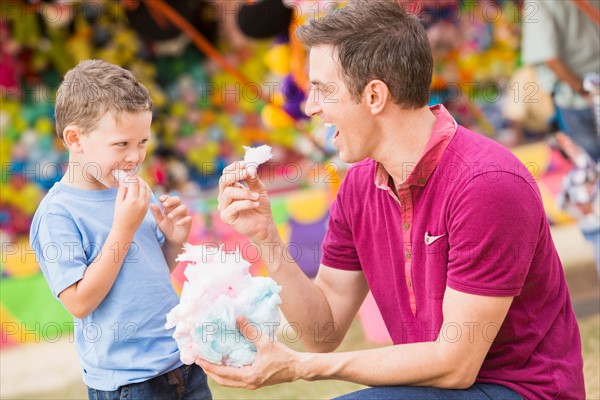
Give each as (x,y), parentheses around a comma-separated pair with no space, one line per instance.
(377,96)
(72,138)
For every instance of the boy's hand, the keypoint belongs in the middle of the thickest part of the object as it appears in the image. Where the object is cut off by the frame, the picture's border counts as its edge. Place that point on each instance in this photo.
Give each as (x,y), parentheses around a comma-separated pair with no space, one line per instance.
(175,223)
(131,205)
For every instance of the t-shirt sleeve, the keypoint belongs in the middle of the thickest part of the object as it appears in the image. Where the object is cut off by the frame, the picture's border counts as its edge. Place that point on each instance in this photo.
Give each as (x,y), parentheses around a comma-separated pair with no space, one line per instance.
(540,39)
(338,246)
(157,232)
(59,250)
(493,232)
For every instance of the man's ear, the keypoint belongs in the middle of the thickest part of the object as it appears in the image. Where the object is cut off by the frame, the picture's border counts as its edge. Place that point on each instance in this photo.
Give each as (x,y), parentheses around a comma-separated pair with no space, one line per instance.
(72,138)
(377,95)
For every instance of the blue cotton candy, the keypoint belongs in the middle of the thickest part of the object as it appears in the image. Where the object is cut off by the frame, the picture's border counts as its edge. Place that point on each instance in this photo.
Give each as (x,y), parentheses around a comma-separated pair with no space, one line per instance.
(219,289)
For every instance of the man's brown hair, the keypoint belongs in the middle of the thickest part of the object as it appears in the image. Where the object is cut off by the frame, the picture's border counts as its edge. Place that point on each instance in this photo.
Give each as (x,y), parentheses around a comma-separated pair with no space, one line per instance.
(377,39)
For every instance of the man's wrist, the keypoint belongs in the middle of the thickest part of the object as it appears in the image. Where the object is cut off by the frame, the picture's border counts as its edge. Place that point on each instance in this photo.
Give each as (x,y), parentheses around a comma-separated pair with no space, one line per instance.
(306,366)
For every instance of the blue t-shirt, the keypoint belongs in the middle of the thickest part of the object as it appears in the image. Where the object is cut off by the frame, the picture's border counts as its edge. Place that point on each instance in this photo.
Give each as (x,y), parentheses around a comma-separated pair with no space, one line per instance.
(123,340)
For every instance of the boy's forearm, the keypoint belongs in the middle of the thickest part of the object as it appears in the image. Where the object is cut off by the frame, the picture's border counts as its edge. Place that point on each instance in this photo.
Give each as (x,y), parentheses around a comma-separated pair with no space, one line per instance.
(101,274)
(171,251)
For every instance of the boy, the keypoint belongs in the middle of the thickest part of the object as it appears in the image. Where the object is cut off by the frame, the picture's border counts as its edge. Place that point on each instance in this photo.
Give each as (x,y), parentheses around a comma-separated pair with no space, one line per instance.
(102,252)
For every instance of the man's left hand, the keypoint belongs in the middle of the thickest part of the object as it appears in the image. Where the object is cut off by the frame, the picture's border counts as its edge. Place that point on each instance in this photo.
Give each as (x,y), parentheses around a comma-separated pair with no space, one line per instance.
(274,363)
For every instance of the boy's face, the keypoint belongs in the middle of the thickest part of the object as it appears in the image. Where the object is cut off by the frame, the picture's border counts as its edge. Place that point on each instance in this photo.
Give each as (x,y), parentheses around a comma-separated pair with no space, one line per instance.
(113,146)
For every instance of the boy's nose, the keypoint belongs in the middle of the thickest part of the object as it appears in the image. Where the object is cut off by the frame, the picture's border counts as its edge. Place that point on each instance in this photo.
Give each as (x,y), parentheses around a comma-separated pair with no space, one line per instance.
(132,157)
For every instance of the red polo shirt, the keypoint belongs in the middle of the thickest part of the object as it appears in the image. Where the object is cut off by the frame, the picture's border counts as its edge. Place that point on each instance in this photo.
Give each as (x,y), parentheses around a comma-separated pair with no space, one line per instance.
(469,216)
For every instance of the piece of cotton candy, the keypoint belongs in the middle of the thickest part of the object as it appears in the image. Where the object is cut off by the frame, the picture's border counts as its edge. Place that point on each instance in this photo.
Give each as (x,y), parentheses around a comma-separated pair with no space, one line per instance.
(255,156)
(219,289)
(122,177)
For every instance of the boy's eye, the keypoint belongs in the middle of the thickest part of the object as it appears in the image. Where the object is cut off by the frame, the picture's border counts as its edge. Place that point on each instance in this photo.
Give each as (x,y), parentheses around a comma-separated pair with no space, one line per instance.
(121,144)
(145,141)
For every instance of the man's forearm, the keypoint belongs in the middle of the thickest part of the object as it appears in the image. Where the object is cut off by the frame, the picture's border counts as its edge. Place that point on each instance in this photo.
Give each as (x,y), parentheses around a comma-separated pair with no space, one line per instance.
(303,303)
(415,364)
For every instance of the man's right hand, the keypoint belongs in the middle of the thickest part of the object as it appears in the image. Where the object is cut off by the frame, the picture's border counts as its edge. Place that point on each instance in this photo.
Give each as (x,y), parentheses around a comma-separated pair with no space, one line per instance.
(131,205)
(246,209)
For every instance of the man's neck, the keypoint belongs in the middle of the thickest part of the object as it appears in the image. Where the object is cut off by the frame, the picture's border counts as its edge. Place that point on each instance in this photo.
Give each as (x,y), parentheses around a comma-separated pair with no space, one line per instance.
(403,141)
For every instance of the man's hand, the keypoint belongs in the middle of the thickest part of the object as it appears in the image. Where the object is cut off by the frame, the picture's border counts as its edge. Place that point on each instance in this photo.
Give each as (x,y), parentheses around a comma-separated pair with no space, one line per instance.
(174,223)
(246,209)
(274,363)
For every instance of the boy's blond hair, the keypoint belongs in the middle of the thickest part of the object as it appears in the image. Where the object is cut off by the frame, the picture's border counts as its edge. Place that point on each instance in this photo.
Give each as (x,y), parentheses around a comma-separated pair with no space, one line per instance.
(93,88)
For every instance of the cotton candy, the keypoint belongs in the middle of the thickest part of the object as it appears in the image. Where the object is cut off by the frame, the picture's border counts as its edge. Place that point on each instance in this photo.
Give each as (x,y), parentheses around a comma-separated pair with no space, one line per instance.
(219,289)
(257,155)
(122,177)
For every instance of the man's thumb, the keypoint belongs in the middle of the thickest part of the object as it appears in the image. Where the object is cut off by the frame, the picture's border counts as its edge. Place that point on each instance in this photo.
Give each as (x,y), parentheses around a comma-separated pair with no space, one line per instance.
(249,330)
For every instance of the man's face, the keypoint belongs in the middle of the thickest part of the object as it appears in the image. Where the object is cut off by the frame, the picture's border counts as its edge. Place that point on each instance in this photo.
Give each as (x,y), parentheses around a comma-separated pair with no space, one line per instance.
(114,146)
(330,99)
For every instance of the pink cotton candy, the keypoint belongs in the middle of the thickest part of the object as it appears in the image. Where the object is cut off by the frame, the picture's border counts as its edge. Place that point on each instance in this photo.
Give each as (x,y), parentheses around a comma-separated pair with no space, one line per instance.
(219,290)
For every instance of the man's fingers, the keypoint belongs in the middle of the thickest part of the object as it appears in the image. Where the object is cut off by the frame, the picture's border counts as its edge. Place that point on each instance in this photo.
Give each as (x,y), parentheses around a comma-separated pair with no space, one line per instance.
(224,375)
(250,331)
(231,194)
(231,174)
(228,214)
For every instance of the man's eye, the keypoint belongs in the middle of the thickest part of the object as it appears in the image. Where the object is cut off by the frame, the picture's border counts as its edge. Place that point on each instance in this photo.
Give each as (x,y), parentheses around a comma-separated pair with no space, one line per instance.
(122,144)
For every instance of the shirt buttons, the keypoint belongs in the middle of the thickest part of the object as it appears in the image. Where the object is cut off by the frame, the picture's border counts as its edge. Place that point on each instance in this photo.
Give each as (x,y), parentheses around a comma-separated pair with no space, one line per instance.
(406,226)
(408,255)
(421,181)
(409,282)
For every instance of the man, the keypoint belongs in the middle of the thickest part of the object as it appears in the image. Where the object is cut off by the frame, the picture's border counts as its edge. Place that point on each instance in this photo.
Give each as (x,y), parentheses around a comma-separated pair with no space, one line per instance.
(444,226)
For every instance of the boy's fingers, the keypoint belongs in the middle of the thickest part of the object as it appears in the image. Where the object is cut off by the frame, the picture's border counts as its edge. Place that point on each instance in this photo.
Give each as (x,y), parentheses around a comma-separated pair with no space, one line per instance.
(133,188)
(181,209)
(158,216)
(122,192)
(185,220)
(171,201)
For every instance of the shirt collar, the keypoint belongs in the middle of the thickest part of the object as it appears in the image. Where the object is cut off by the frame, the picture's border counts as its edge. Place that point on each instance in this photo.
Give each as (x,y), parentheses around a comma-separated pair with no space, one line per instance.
(443,131)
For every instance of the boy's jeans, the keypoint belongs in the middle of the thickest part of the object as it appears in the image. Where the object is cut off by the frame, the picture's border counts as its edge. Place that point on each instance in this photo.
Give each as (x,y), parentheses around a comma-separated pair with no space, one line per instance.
(187,382)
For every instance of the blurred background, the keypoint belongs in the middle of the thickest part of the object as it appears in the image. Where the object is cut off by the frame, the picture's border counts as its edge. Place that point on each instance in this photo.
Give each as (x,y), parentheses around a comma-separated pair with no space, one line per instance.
(227,74)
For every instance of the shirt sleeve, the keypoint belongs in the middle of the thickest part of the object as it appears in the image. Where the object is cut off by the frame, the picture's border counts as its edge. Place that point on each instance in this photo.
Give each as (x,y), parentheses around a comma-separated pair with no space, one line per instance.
(339,250)
(540,37)
(59,250)
(493,232)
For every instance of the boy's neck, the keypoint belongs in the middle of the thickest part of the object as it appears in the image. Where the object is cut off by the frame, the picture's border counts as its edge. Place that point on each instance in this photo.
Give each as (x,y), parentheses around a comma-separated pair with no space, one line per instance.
(76,177)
